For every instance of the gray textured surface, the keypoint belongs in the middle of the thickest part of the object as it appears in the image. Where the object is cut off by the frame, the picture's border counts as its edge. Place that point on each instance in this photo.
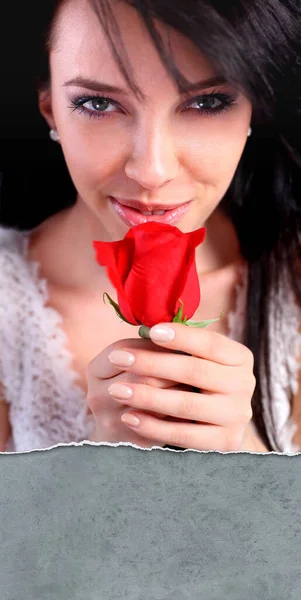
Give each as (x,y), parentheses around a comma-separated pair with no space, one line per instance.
(102,523)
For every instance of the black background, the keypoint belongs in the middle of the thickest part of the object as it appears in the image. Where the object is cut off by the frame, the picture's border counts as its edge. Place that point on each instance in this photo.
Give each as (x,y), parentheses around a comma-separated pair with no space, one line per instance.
(34,179)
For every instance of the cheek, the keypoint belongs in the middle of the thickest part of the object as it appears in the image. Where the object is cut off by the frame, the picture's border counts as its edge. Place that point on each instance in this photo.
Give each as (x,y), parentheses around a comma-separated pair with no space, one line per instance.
(215,154)
(92,156)
(214,144)
(213,160)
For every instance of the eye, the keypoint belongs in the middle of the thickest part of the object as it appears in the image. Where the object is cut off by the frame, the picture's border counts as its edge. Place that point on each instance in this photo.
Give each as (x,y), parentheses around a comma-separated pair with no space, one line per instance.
(99,104)
(207,103)
(211,103)
(94,106)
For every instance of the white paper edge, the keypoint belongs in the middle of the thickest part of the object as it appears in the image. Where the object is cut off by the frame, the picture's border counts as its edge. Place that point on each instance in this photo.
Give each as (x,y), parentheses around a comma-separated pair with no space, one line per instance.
(116,444)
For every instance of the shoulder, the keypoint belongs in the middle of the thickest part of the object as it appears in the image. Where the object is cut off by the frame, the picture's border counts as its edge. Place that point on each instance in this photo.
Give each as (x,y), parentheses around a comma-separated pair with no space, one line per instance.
(15,295)
(13,250)
(17,284)
(12,264)
(9,237)
(12,245)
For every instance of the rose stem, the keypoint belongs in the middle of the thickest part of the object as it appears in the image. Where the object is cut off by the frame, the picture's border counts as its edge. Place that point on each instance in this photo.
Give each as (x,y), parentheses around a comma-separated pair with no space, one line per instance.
(144,332)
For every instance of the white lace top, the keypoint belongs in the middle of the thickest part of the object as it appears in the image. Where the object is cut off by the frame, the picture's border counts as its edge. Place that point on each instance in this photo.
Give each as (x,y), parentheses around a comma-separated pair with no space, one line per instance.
(46,404)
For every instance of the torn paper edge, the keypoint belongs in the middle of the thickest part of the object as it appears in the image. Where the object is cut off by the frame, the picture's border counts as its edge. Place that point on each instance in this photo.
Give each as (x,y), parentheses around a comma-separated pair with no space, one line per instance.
(116,444)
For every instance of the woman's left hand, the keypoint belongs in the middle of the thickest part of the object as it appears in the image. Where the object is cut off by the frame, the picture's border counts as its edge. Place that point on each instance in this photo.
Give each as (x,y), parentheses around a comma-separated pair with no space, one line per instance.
(216,418)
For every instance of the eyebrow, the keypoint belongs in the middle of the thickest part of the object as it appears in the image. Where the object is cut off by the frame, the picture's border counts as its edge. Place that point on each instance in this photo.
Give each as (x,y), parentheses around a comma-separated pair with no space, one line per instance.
(97,86)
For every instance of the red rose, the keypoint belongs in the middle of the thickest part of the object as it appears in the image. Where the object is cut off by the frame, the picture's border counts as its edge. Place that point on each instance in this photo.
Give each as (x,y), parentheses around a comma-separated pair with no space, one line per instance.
(153,268)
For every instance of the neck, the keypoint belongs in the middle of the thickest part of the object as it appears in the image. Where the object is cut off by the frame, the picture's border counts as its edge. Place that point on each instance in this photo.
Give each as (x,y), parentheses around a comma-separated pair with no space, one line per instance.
(221,247)
(66,239)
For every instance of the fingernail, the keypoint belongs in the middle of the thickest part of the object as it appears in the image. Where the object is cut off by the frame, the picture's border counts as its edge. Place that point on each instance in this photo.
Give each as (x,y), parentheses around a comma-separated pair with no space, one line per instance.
(120,391)
(121,358)
(130,420)
(158,333)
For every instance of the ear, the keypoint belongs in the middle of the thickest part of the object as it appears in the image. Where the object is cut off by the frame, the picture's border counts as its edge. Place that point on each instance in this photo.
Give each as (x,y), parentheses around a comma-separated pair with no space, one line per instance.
(45,106)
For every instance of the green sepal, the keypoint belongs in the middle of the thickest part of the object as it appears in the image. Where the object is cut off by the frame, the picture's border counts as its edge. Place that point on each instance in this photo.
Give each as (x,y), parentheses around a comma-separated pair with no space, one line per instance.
(203,324)
(116,307)
(179,316)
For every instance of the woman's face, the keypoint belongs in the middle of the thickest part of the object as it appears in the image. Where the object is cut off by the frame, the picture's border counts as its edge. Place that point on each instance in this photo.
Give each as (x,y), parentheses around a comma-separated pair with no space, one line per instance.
(163,150)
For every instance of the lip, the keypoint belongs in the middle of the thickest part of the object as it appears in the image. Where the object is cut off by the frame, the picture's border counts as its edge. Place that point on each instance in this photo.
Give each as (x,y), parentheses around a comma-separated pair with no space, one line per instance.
(131,216)
(138,205)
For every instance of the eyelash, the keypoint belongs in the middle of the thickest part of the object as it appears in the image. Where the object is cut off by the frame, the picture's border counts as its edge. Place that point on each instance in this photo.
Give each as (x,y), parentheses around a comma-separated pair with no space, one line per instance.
(78,102)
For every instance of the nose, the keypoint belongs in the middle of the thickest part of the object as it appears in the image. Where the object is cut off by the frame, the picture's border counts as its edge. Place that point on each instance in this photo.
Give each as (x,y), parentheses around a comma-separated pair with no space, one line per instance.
(153,160)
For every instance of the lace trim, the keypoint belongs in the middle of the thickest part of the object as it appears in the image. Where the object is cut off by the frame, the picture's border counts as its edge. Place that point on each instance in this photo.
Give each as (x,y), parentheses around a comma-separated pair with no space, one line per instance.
(54,317)
(58,341)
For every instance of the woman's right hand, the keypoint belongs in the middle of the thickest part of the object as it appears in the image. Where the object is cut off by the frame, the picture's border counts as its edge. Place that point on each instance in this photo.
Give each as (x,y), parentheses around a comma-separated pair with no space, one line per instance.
(101,373)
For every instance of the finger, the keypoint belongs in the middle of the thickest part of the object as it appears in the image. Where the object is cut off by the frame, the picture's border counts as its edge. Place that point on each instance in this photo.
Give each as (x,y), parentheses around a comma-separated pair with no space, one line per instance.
(202,343)
(99,399)
(97,390)
(213,409)
(196,372)
(132,378)
(186,435)
(102,368)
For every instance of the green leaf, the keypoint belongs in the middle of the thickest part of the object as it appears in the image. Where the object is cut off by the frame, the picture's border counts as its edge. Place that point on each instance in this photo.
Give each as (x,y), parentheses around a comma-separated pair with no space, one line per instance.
(116,307)
(203,324)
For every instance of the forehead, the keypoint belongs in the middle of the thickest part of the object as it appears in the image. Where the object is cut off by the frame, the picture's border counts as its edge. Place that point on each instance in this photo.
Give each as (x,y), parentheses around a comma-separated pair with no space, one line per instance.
(83,47)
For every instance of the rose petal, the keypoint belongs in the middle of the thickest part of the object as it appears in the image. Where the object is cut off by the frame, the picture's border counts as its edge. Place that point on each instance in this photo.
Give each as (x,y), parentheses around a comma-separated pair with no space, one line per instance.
(117,258)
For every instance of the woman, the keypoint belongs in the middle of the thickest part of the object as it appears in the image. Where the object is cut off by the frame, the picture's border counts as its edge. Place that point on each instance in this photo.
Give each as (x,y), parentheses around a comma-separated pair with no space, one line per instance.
(155,105)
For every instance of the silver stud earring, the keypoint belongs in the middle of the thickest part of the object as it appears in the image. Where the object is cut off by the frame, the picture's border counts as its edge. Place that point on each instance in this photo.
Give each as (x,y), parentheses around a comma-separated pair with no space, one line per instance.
(53,134)
(250,131)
